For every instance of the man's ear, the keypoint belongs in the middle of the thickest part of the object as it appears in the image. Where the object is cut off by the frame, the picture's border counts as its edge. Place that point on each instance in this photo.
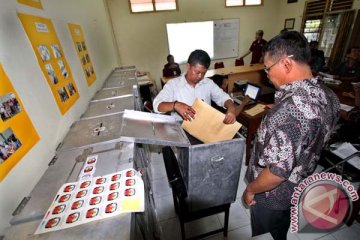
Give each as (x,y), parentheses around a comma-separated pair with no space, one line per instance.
(288,64)
(187,66)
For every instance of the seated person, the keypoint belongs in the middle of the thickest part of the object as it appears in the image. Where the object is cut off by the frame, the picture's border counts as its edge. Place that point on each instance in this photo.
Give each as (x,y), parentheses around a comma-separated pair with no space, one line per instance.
(317,60)
(171,69)
(221,81)
(178,95)
(349,70)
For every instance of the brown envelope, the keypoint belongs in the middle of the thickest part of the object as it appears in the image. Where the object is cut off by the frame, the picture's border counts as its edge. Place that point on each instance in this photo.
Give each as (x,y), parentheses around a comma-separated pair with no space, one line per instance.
(208,124)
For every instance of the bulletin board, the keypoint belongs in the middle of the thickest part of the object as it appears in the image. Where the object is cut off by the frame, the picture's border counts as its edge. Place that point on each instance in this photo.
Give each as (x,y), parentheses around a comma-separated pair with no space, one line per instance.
(226,38)
(17,134)
(51,59)
(83,52)
(32,3)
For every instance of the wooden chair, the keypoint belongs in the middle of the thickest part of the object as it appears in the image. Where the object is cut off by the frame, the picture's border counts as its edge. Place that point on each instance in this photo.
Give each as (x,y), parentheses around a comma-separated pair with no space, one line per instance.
(239,62)
(179,191)
(219,65)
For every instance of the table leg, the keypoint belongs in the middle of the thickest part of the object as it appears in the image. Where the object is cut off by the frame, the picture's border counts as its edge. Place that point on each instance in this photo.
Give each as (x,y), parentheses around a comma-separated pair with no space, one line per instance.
(248,147)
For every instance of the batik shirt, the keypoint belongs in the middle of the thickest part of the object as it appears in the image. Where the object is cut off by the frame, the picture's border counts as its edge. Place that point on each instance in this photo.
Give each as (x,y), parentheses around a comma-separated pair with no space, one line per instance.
(291,136)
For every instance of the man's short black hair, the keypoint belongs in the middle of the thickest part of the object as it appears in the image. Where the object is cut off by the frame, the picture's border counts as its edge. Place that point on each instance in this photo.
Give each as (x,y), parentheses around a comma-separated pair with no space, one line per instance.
(289,43)
(169,56)
(199,57)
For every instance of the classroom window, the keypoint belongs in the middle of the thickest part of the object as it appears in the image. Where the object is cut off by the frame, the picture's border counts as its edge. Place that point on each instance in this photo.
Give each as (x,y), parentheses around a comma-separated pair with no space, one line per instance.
(235,3)
(138,6)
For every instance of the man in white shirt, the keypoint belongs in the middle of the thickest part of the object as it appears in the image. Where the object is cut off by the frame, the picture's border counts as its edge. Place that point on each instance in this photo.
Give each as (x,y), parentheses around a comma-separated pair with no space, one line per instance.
(178,95)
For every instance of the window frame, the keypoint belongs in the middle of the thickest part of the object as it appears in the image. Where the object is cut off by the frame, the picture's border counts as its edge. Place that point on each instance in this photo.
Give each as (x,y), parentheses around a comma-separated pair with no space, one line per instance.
(154,8)
(245,5)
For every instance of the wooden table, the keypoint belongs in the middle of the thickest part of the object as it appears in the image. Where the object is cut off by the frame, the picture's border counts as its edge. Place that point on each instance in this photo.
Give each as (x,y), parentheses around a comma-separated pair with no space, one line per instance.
(339,90)
(164,80)
(253,73)
(252,123)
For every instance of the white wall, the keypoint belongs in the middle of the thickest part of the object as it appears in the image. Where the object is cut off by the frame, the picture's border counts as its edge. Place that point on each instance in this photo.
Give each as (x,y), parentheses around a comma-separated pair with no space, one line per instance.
(142,39)
(20,64)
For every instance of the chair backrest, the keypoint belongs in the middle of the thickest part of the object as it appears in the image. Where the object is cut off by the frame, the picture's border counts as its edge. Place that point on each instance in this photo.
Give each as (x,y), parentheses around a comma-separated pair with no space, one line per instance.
(173,173)
(239,62)
(219,65)
(148,107)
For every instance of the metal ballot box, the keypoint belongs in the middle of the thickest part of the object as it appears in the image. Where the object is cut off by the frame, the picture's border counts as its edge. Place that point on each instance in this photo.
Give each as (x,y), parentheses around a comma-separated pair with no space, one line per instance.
(98,133)
(113,93)
(211,171)
(91,131)
(122,80)
(66,168)
(108,107)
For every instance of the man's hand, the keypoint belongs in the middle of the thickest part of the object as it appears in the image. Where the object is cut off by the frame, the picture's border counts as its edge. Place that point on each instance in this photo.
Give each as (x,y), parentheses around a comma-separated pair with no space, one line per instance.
(241,107)
(230,117)
(248,198)
(185,111)
(246,99)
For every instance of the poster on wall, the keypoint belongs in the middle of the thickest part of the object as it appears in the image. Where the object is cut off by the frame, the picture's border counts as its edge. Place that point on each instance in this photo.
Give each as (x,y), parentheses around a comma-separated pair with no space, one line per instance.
(32,3)
(17,134)
(51,59)
(83,52)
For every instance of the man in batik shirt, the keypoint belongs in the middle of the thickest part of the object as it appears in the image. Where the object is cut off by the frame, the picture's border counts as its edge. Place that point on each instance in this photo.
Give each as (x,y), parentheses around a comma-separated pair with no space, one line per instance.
(291,135)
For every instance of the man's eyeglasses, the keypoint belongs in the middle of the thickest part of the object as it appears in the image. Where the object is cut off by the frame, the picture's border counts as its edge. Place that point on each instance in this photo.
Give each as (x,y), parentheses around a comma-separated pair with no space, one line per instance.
(267,69)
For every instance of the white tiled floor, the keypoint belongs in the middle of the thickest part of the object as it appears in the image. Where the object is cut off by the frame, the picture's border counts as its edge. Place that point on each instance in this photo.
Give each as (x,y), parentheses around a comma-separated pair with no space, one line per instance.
(239,220)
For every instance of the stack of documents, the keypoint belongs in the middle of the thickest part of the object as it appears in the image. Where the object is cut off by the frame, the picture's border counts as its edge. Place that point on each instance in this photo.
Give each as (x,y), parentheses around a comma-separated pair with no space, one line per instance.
(258,108)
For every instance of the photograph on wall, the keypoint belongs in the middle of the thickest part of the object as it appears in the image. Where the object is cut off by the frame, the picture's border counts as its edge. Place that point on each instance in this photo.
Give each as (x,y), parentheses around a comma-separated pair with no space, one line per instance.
(32,3)
(63,69)
(71,89)
(83,52)
(44,52)
(79,47)
(63,94)
(94,198)
(9,144)
(87,72)
(83,46)
(56,50)
(87,58)
(48,50)
(83,59)
(9,106)
(17,134)
(50,71)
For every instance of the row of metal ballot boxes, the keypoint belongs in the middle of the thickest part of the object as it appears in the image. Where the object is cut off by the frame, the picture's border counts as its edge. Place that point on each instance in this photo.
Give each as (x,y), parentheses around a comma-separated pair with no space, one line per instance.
(119,134)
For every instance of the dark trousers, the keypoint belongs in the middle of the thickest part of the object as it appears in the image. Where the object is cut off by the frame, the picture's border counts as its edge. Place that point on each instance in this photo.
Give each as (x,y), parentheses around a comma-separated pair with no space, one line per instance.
(264,220)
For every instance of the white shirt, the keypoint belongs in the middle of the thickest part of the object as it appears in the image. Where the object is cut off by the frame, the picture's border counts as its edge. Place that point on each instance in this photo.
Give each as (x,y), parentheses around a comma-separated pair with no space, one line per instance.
(178,89)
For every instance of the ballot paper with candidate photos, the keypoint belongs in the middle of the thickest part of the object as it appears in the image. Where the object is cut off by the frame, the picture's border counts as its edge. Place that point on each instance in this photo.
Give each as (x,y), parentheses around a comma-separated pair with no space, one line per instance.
(208,126)
(88,169)
(94,199)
